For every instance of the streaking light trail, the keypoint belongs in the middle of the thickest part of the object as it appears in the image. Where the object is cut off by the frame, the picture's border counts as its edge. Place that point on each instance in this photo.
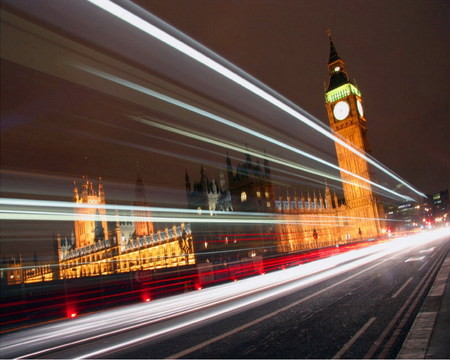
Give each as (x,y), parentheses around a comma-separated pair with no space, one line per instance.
(217,300)
(154,31)
(239,127)
(46,210)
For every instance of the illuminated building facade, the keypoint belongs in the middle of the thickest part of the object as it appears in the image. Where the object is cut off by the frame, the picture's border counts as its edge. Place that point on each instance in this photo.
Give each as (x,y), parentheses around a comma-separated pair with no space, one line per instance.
(89,206)
(309,222)
(102,248)
(347,119)
(302,222)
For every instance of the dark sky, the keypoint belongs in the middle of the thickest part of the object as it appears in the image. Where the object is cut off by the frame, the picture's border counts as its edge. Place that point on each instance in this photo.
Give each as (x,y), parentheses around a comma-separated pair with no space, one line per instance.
(398,52)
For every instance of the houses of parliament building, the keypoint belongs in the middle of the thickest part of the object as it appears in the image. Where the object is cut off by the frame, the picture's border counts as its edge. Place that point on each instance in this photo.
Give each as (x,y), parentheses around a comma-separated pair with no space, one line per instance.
(296,221)
(302,221)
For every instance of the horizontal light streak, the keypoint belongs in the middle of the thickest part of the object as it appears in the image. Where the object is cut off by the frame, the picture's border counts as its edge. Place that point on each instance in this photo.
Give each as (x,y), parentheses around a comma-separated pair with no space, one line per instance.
(228,297)
(61,216)
(161,35)
(180,215)
(66,204)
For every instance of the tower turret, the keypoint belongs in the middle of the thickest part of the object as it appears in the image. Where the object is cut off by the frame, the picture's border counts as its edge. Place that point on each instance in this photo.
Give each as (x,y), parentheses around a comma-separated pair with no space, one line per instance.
(328,199)
(144,227)
(101,192)
(86,230)
(75,192)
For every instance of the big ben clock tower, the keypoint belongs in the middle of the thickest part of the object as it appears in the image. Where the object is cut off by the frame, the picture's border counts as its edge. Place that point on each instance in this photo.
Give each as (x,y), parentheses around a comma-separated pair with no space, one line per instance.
(347,119)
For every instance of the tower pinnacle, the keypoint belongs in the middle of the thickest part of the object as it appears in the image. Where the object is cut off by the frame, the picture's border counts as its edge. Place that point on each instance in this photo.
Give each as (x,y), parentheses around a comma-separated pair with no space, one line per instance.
(333,53)
(336,68)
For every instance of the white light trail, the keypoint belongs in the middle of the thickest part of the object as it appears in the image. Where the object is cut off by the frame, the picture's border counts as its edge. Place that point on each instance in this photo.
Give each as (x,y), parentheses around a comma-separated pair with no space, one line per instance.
(34,341)
(232,124)
(24,209)
(231,146)
(161,35)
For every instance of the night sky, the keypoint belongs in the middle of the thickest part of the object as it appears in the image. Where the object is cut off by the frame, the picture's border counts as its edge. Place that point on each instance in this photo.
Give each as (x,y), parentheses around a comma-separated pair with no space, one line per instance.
(397,52)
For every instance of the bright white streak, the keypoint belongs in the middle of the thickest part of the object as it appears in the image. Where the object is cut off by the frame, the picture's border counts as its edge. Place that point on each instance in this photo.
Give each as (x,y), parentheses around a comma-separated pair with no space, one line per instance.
(240,149)
(161,35)
(62,216)
(275,283)
(232,124)
(192,215)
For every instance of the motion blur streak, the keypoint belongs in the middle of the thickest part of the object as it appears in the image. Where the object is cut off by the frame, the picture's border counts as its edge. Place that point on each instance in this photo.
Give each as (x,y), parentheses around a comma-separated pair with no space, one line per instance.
(230,146)
(219,142)
(217,118)
(245,293)
(20,211)
(152,30)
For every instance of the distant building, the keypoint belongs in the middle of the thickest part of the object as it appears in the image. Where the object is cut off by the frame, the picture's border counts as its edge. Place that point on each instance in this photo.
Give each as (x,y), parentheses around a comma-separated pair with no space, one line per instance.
(404,217)
(435,209)
(104,247)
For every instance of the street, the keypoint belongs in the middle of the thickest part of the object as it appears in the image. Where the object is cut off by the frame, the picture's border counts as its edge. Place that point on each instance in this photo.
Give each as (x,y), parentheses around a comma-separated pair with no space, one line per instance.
(354,305)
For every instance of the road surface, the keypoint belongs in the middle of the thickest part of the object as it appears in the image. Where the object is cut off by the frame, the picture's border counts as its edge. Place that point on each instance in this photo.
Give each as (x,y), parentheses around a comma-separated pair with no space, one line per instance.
(353,305)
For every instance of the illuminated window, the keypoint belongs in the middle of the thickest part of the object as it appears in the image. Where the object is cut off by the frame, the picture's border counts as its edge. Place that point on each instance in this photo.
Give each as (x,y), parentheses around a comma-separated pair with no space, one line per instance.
(267,194)
(268,204)
(243,196)
(258,193)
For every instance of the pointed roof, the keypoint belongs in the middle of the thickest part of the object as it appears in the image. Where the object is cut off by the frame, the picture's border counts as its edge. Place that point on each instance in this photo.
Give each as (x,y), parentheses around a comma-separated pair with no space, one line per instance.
(333,53)
(336,68)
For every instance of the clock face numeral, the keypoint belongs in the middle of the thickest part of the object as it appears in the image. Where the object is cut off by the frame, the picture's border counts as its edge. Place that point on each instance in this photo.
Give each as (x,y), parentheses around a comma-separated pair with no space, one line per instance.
(341,110)
(360,107)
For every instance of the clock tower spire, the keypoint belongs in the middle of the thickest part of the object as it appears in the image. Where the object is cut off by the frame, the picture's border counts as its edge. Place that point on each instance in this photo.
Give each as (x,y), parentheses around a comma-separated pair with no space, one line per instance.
(345,112)
(336,69)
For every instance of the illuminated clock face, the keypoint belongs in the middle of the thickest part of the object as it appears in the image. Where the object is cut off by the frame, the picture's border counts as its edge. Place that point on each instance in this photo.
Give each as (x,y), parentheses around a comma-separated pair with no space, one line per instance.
(360,108)
(341,110)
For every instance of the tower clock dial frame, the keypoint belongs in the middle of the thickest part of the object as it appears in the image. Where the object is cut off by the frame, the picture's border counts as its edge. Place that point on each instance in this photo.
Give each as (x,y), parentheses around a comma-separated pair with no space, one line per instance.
(341,110)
